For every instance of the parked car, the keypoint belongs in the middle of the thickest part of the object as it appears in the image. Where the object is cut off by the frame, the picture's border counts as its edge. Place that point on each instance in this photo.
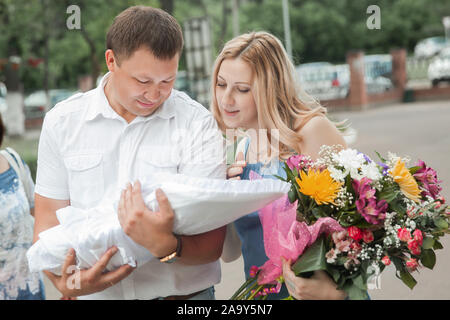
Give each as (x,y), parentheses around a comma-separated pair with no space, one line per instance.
(324,80)
(439,68)
(429,47)
(36,104)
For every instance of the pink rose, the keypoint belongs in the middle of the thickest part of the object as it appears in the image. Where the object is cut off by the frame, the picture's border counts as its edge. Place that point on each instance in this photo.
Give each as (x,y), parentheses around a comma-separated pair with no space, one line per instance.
(414,247)
(367,236)
(403,234)
(354,233)
(386,261)
(412,264)
(418,236)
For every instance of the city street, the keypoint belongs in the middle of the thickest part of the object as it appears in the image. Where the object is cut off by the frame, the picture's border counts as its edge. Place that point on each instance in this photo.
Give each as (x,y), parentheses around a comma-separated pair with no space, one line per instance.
(418,130)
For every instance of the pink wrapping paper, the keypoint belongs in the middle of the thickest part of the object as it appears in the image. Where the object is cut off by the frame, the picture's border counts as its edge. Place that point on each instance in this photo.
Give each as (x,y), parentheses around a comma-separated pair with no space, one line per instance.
(285,237)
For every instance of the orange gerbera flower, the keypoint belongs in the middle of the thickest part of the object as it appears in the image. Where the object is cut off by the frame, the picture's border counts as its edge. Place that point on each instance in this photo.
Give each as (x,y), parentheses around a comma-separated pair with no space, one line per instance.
(318,185)
(404,178)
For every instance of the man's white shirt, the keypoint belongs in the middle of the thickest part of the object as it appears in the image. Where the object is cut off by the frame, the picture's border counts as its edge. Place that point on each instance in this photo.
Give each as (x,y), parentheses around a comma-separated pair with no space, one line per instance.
(86,150)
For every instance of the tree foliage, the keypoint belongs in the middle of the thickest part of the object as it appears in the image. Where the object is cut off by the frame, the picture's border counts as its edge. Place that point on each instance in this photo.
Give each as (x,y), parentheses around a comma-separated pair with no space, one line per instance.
(321,30)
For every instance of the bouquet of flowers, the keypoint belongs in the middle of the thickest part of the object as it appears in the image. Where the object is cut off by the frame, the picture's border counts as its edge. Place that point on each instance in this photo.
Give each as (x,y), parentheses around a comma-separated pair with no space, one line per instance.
(351,217)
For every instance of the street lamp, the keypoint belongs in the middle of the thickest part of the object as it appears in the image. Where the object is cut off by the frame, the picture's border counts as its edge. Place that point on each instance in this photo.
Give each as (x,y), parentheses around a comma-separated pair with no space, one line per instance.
(287,28)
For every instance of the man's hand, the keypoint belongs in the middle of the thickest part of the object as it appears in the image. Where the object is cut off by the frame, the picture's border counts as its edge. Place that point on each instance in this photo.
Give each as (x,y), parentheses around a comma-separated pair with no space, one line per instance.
(152,230)
(74,283)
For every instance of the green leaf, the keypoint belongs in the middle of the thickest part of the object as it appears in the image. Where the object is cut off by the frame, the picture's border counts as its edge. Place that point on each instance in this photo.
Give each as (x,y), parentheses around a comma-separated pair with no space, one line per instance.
(441,223)
(360,283)
(398,207)
(292,196)
(428,258)
(381,158)
(407,278)
(281,178)
(388,194)
(428,243)
(413,170)
(312,259)
(437,245)
(335,274)
(353,292)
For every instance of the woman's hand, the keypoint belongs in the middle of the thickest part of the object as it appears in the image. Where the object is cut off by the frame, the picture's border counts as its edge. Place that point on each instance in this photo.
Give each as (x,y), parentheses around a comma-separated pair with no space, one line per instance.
(319,287)
(236,169)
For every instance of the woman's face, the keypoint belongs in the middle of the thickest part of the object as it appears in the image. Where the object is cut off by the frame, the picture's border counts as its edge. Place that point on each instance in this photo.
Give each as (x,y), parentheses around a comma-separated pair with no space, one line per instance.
(234,94)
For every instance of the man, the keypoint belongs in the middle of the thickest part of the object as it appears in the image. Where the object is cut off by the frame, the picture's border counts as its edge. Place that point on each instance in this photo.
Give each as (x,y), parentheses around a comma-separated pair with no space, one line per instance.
(124,129)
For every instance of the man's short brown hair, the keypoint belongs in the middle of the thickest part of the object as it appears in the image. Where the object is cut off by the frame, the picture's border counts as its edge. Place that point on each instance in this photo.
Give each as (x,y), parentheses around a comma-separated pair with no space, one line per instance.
(143,26)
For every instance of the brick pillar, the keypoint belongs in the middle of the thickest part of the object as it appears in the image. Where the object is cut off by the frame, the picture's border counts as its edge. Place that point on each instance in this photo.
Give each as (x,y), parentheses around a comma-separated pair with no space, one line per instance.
(357,94)
(399,78)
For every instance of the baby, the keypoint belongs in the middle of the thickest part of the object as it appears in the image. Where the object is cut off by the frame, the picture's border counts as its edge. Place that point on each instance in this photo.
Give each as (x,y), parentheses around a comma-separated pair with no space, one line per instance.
(200,205)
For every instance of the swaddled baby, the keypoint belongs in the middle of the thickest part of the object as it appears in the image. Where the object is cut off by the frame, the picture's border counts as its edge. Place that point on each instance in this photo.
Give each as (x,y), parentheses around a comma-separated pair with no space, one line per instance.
(199,204)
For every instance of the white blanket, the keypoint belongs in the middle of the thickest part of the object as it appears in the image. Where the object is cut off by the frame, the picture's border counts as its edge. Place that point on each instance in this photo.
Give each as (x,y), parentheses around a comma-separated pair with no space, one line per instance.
(200,205)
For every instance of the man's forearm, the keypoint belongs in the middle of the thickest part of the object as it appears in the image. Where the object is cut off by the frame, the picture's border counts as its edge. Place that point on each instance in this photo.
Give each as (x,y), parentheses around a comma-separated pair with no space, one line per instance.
(45,213)
(198,249)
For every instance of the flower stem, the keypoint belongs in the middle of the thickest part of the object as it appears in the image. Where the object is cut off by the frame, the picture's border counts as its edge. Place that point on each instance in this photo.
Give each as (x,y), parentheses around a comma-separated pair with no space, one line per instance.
(256,292)
(242,295)
(237,293)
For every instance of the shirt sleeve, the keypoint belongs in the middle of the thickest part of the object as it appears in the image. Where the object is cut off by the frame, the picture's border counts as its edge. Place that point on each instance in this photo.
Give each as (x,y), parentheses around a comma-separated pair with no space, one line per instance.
(204,150)
(51,175)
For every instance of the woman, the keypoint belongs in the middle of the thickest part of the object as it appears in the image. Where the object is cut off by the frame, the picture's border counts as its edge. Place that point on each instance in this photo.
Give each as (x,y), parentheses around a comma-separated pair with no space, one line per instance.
(253,89)
(16,231)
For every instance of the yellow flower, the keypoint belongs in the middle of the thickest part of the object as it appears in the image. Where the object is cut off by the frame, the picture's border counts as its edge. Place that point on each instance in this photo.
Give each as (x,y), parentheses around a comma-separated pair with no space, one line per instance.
(318,185)
(406,181)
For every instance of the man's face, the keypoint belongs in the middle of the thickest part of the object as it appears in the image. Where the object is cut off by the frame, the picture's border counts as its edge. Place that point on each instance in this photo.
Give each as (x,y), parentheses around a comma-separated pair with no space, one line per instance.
(141,84)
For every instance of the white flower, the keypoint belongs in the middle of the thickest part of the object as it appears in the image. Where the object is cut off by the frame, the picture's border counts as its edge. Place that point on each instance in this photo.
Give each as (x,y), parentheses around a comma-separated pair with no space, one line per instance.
(371,171)
(349,158)
(336,174)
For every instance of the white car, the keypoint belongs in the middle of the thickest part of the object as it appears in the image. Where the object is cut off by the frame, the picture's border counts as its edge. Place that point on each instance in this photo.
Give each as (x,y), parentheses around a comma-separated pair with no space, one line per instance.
(429,47)
(439,68)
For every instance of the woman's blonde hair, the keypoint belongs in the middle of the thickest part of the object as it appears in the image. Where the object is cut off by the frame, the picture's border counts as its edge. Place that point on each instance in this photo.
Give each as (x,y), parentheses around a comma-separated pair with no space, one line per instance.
(275,91)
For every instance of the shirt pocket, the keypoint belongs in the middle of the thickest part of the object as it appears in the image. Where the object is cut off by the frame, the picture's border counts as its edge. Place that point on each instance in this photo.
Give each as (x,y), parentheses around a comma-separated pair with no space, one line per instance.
(155,161)
(86,185)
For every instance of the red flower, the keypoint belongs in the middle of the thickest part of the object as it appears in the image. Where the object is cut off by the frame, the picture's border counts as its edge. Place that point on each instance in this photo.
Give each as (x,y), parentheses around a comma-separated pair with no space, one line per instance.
(412,264)
(403,234)
(418,236)
(367,236)
(386,261)
(355,233)
(414,247)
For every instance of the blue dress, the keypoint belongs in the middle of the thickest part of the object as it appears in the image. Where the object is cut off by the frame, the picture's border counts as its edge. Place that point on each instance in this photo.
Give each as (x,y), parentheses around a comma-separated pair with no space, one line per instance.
(16,236)
(249,227)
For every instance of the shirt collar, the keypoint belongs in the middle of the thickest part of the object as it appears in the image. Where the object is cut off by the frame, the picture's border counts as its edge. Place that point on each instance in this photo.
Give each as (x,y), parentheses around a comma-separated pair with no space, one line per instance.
(101,106)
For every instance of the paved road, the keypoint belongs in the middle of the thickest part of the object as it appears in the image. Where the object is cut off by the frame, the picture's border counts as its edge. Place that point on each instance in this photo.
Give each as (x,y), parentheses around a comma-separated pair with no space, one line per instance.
(419,130)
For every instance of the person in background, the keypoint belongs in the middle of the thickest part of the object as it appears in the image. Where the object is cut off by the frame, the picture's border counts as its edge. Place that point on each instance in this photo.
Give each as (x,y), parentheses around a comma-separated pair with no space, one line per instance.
(16,228)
